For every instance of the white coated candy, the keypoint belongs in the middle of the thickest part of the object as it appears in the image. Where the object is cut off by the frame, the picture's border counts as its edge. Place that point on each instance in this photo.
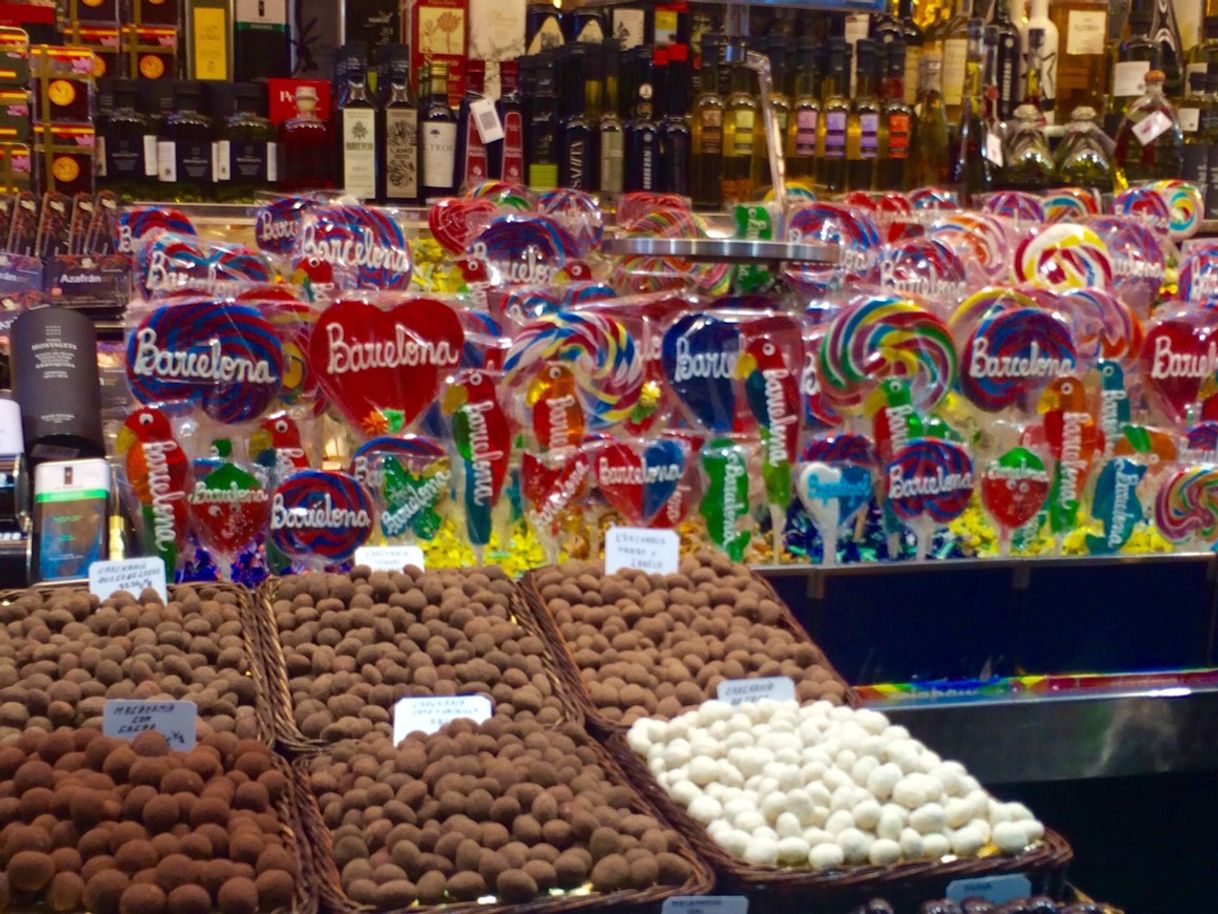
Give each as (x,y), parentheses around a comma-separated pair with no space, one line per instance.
(1010,837)
(883,780)
(684,792)
(936,846)
(788,825)
(929,818)
(823,856)
(913,846)
(705,809)
(762,850)
(839,821)
(966,841)
(1034,830)
(866,814)
(793,850)
(884,851)
(909,792)
(855,845)
(891,822)
(957,811)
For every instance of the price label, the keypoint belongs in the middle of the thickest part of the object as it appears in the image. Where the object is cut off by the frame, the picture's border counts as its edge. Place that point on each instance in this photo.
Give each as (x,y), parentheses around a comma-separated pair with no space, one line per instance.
(430,714)
(993,149)
(994,889)
(653,551)
(177,721)
(131,575)
(738,691)
(389,558)
(486,119)
(1151,127)
(705,904)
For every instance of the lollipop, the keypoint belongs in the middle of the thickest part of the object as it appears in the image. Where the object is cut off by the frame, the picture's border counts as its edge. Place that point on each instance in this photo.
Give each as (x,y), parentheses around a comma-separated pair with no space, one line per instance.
(1017,205)
(923,266)
(1013,353)
(552,484)
(979,240)
(169,262)
(277,225)
(846,447)
(578,212)
(601,354)
(984,303)
(928,483)
(699,354)
(1138,262)
(502,193)
(156,470)
(833,495)
(140,222)
(1068,203)
(934,198)
(832,223)
(1187,505)
(638,477)
(1199,275)
(483,442)
(276,447)
(725,502)
(320,518)
(878,337)
(1014,488)
(1185,204)
(1064,256)
(1180,353)
(358,247)
(1103,325)
(454,221)
(1146,205)
(1074,439)
(633,205)
(228,509)
(1115,504)
(524,249)
(410,477)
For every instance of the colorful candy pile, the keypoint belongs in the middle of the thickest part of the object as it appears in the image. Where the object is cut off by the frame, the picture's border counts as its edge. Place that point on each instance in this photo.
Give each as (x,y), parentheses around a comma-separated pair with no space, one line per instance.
(1023,377)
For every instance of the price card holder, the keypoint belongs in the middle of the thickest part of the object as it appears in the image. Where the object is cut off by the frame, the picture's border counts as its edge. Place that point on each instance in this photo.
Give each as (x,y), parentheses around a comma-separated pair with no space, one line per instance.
(430,714)
(738,691)
(131,575)
(486,119)
(177,721)
(389,558)
(653,551)
(705,904)
(994,889)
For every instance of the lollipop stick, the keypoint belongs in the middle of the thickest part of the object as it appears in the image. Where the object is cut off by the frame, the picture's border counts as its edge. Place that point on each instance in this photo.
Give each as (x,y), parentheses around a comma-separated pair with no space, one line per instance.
(922,543)
(777,522)
(479,555)
(828,538)
(1004,542)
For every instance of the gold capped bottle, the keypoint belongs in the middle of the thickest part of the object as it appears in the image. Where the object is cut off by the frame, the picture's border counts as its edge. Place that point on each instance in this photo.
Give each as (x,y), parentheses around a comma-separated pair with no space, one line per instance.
(803,123)
(741,122)
(897,127)
(706,129)
(863,123)
(835,112)
(928,148)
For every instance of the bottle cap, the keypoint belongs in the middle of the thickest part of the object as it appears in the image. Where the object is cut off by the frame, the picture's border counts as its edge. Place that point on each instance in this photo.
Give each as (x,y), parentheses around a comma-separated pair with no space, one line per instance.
(1083,113)
(306,93)
(1155,76)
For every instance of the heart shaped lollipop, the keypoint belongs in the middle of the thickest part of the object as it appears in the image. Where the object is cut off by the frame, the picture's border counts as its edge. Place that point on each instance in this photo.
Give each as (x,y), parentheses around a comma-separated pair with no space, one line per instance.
(638,478)
(455,220)
(382,368)
(228,508)
(1179,353)
(833,494)
(699,354)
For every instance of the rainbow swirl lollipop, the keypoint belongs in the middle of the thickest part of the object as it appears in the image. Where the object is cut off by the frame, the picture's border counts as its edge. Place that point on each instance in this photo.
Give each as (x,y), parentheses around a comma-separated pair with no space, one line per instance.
(578,212)
(1104,326)
(1138,261)
(1146,205)
(1068,203)
(832,223)
(608,368)
(1185,203)
(1187,505)
(1199,275)
(1011,354)
(1016,204)
(526,249)
(502,193)
(362,247)
(884,336)
(981,304)
(934,198)
(978,239)
(1064,256)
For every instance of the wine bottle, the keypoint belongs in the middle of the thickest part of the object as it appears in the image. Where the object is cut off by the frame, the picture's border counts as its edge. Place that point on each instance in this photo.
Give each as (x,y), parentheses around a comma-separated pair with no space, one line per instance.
(184,153)
(355,124)
(675,135)
(641,135)
(739,135)
(1006,61)
(610,137)
(306,147)
(246,147)
(835,110)
(541,114)
(1149,142)
(1040,45)
(897,123)
(437,137)
(1166,34)
(804,121)
(972,169)
(928,148)
(507,160)
(398,132)
(576,134)
(706,129)
(863,122)
(473,165)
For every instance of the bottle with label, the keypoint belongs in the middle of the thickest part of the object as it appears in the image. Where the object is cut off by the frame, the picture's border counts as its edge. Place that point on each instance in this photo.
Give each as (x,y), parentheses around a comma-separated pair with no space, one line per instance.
(675,134)
(928,148)
(887,25)
(1006,60)
(775,49)
(741,122)
(260,39)
(1206,50)
(473,166)
(955,55)
(355,124)
(585,24)
(246,148)
(1149,141)
(437,137)
(1039,40)
(804,121)
(835,111)
(977,156)
(1027,164)
(1166,34)
(126,145)
(1136,56)
(576,138)
(641,132)
(542,27)
(184,154)
(1195,166)
(863,122)
(1083,157)
(914,43)
(507,155)
(1082,60)
(706,129)
(897,125)
(306,147)
(398,131)
(610,140)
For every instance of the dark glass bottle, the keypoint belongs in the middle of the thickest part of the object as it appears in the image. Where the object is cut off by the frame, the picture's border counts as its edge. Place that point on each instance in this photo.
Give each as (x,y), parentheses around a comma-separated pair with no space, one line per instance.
(641,133)
(585,24)
(706,128)
(355,124)
(898,123)
(1027,164)
(507,155)
(398,132)
(246,147)
(437,137)
(835,111)
(804,120)
(675,137)
(780,102)
(741,122)
(863,122)
(576,133)
(610,139)
(1006,61)
(542,26)
(914,43)
(541,116)
(126,144)
(971,167)
(306,147)
(1166,34)
(886,25)
(472,163)
(1136,56)
(184,153)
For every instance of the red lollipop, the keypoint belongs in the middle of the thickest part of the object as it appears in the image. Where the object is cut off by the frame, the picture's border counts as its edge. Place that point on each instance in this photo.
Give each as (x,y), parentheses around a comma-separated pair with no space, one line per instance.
(1180,352)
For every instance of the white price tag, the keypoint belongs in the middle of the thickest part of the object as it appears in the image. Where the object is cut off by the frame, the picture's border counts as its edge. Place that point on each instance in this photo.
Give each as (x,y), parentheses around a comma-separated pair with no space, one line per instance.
(389,558)
(653,551)
(177,721)
(1151,127)
(1190,119)
(221,155)
(131,575)
(430,714)
(486,119)
(738,691)
(705,904)
(993,149)
(994,889)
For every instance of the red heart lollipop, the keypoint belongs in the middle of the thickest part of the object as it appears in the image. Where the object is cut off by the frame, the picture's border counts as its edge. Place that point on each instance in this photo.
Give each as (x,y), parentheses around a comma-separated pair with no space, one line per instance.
(228,508)
(455,220)
(382,368)
(1179,353)
(1014,488)
(619,475)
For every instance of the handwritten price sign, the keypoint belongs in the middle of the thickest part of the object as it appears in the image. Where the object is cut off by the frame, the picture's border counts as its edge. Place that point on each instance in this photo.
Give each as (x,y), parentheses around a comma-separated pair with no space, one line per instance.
(175,720)
(131,575)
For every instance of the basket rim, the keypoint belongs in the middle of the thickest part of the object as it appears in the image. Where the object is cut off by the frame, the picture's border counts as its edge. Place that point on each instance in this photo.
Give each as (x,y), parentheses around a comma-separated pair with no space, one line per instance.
(279,694)
(700,882)
(1052,853)
(571,671)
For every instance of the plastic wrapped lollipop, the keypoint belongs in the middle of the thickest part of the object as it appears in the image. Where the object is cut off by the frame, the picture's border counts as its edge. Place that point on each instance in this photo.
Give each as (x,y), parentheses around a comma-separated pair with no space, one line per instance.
(319,518)
(229,508)
(157,473)
(553,484)
(1186,506)
(833,495)
(483,441)
(928,483)
(1073,438)
(410,477)
(726,504)
(1014,488)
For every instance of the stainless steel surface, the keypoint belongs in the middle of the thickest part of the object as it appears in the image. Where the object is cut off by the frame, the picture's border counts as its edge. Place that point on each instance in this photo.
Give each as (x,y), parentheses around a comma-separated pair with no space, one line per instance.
(1073,735)
(725,250)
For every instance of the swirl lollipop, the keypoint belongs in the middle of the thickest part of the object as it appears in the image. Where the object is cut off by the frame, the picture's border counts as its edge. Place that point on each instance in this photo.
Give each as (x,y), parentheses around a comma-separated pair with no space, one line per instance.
(524,249)
(934,198)
(928,483)
(502,193)
(600,352)
(923,266)
(1064,256)
(578,212)
(879,337)
(454,221)
(277,225)
(1138,261)
(1017,205)
(1146,205)
(320,518)
(832,223)
(1199,275)
(983,303)
(1185,204)
(1011,354)
(978,239)
(1104,326)
(354,247)
(1066,204)
(1186,506)
(145,222)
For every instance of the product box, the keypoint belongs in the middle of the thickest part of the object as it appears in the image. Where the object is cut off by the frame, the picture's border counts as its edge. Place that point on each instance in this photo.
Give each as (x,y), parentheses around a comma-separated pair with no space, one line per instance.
(14,57)
(155,12)
(61,79)
(95,11)
(260,40)
(103,41)
(38,22)
(316,33)
(14,115)
(151,52)
(209,47)
(377,23)
(16,167)
(439,30)
(65,157)
(281,98)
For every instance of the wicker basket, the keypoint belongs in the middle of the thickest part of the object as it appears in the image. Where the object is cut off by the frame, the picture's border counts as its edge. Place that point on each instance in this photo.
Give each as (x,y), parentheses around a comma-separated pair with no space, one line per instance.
(905,885)
(246,613)
(274,671)
(575,683)
(626,901)
(307,895)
